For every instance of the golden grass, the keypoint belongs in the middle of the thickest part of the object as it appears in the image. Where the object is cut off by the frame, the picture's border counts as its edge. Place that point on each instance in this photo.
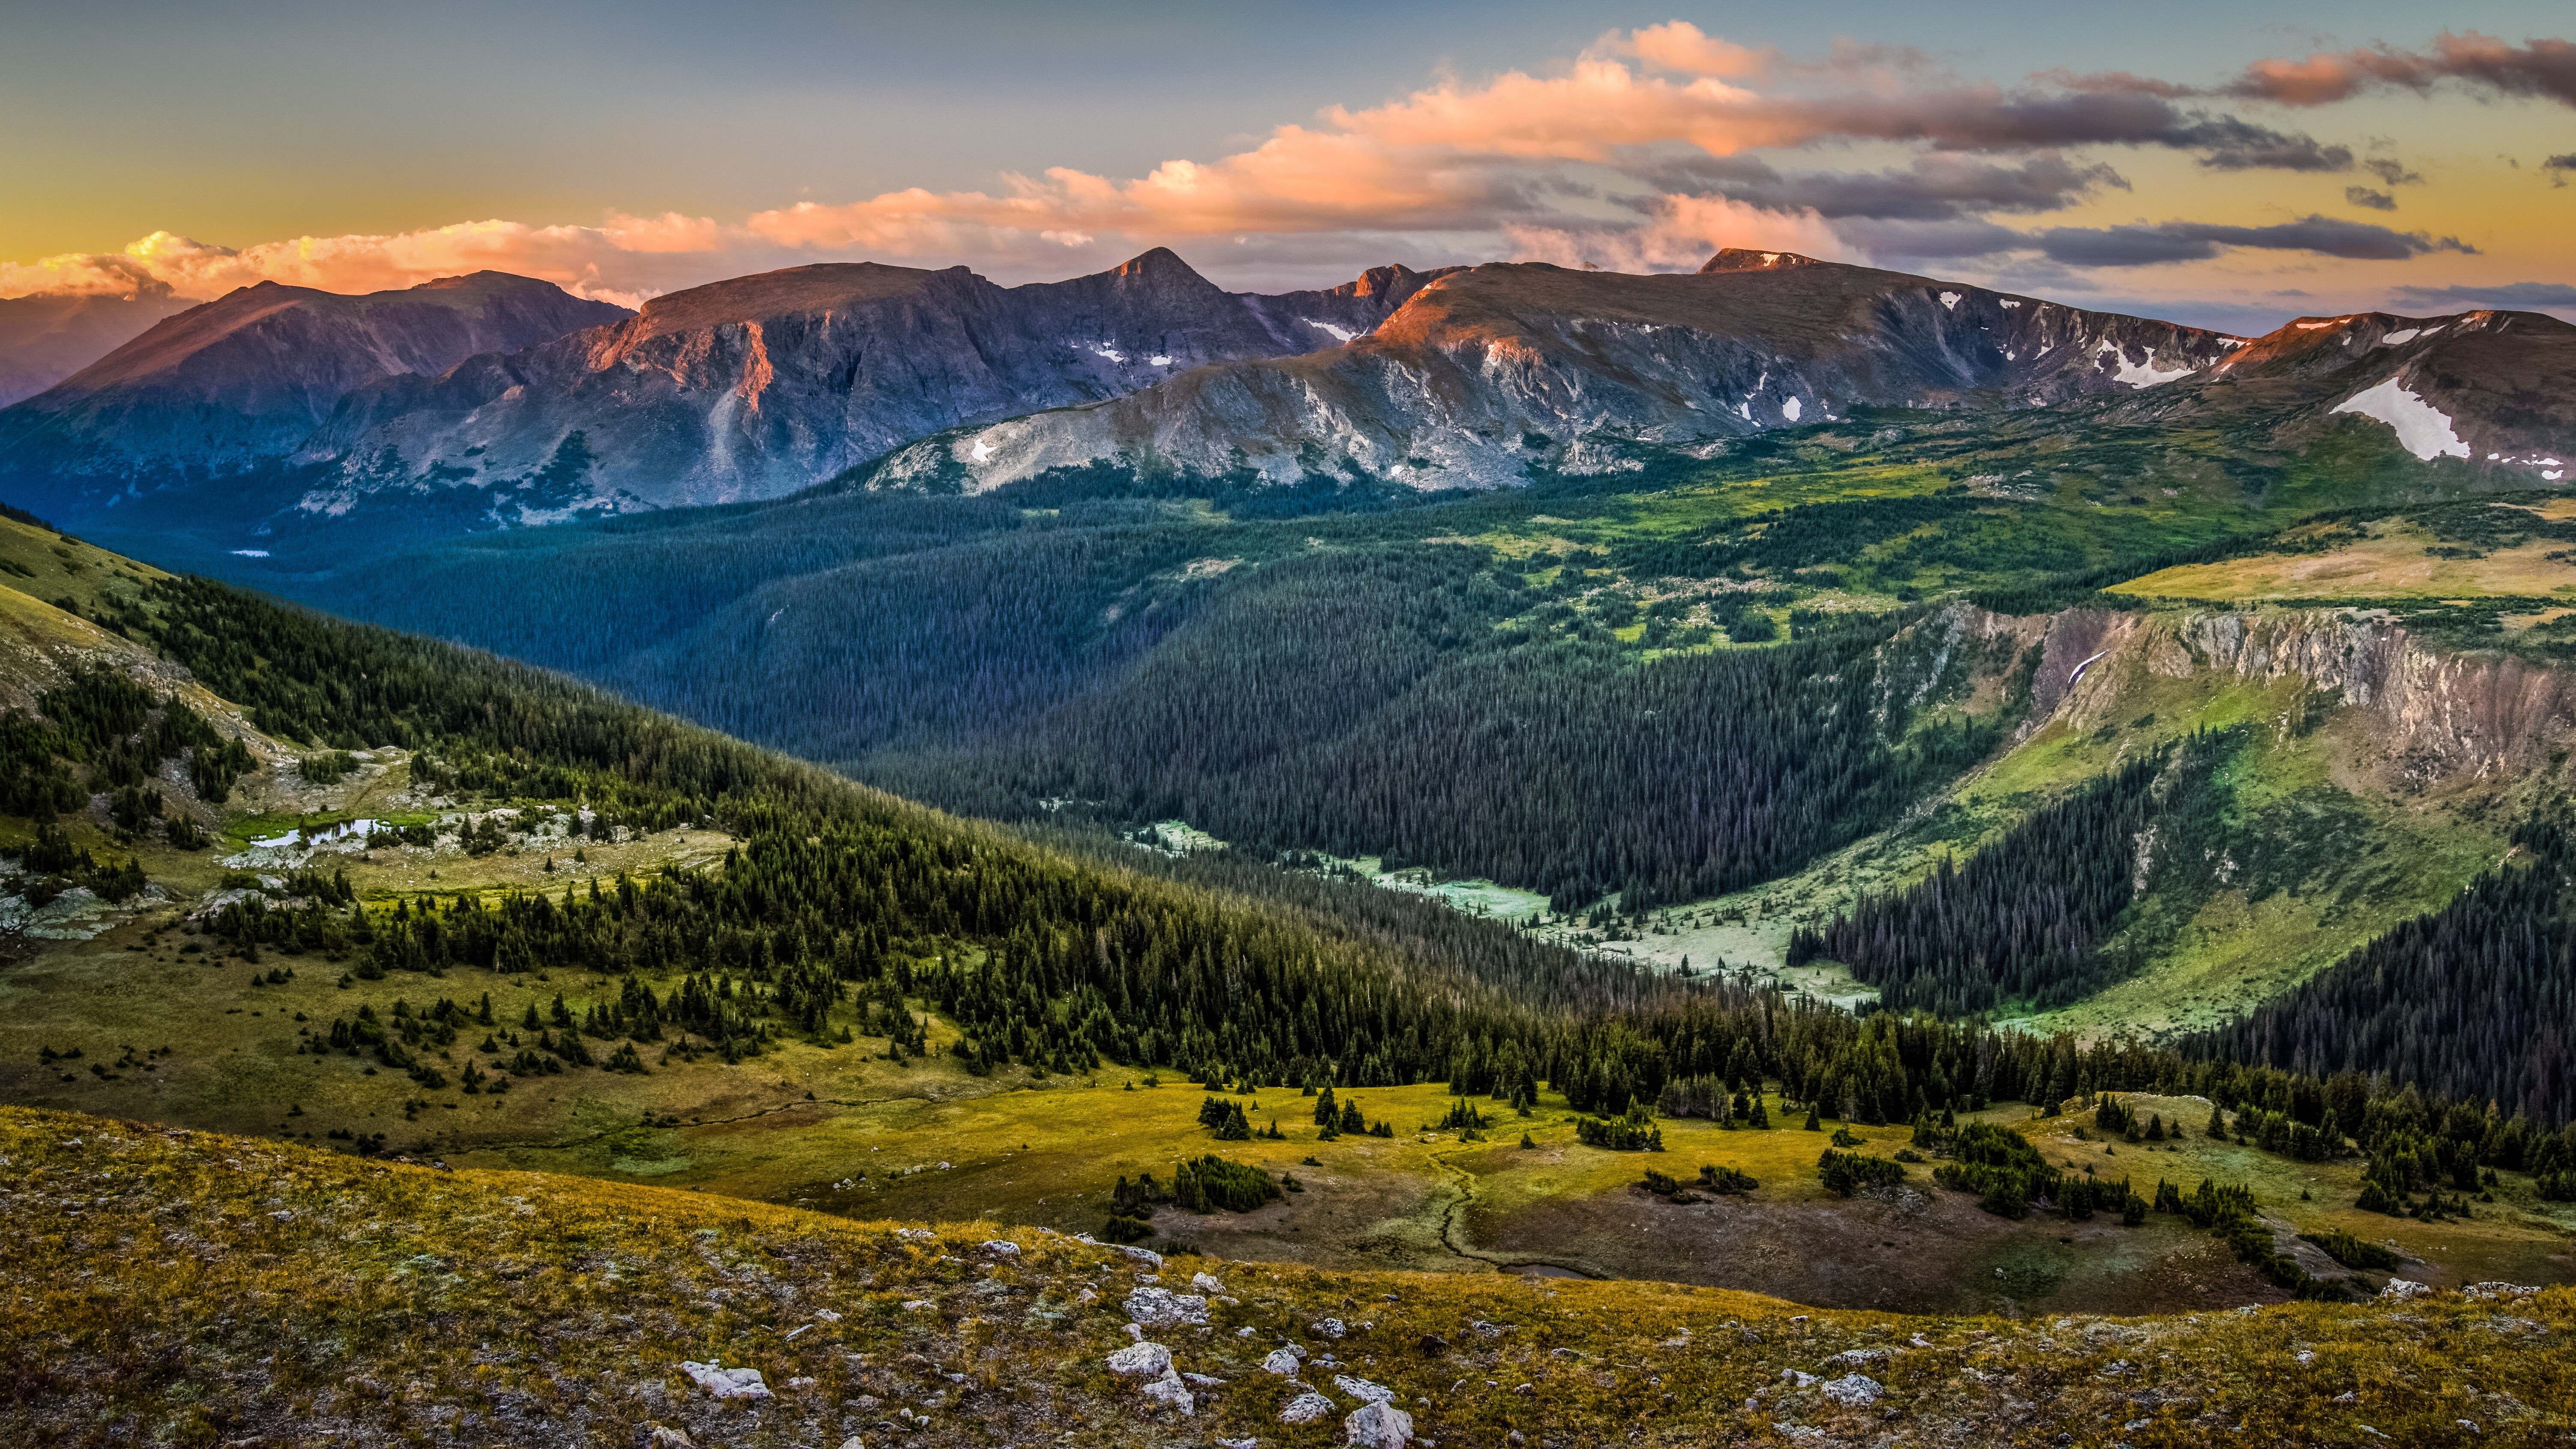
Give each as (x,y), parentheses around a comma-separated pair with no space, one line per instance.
(177,1288)
(2396,561)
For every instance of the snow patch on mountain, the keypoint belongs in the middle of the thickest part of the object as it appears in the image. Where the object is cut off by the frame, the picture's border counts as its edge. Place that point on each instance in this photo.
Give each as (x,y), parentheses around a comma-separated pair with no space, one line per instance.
(2422,429)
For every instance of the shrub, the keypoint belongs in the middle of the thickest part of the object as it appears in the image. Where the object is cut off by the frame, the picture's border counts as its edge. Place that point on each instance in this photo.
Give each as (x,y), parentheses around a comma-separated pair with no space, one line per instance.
(1848,1172)
(1216,1182)
(1726,1180)
(2352,1252)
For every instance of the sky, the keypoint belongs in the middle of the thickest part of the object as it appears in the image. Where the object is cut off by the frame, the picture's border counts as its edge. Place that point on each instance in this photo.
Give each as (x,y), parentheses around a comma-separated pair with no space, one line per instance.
(2233,165)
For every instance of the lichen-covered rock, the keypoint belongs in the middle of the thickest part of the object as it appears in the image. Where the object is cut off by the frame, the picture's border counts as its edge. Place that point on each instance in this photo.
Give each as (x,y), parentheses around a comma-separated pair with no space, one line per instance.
(1141,1361)
(1306,1408)
(725,1383)
(1363,1389)
(1163,1308)
(1852,1391)
(1378,1424)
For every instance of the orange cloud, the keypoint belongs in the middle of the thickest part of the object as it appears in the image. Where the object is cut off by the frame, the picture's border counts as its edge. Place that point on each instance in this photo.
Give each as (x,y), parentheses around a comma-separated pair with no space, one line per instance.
(1679,45)
(1629,154)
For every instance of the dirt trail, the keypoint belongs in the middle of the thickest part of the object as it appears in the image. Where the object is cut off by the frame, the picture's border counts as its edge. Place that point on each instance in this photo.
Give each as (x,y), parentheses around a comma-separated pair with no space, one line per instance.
(1462,1195)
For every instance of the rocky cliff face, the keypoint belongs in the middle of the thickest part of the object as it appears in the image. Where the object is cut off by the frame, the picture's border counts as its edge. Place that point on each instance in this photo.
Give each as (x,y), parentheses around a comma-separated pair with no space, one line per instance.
(2439,717)
(250,375)
(47,337)
(1488,371)
(761,386)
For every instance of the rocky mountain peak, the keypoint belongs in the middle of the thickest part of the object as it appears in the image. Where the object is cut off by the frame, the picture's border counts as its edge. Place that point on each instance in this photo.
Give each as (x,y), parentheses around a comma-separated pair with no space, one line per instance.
(1745,259)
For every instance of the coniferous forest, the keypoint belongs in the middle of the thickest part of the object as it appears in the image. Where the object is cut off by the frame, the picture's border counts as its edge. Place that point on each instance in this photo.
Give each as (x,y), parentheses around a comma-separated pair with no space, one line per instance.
(1058,957)
(2476,1001)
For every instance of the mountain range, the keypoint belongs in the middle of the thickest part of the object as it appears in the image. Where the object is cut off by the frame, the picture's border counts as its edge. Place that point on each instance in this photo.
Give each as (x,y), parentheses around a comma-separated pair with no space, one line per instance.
(47,336)
(471,403)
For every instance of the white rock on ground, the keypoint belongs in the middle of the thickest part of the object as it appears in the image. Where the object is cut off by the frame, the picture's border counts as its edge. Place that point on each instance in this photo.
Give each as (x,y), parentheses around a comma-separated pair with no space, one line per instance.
(665,1437)
(1378,1425)
(1163,1308)
(1363,1389)
(1169,1390)
(1205,1283)
(1852,1391)
(1144,1255)
(1306,1408)
(725,1383)
(1141,1361)
(1328,1327)
(1002,1248)
(2404,1288)
(1280,1362)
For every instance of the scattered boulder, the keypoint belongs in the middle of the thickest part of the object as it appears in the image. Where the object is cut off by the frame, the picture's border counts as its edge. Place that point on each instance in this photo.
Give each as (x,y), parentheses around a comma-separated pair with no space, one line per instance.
(1152,1363)
(1163,1308)
(2484,1291)
(1141,1361)
(1378,1424)
(1363,1389)
(1206,1283)
(1144,1255)
(664,1437)
(1853,1391)
(1282,1363)
(725,1383)
(1170,1392)
(915,1235)
(1204,1381)
(1002,1248)
(1433,1343)
(1795,1379)
(2402,1289)
(1306,1408)
(1328,1327)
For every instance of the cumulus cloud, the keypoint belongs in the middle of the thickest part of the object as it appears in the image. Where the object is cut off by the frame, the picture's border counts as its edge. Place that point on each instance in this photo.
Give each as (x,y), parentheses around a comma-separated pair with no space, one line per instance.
(2510,294)
(1646,149)
(1680,235)
(2544,69)
(2191,241)
(1936,186)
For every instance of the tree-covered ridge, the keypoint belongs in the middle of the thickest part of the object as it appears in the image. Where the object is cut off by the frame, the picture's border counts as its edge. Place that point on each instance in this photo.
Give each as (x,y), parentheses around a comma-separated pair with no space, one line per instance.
(1048,959)
(1368,703)
(2476,1001)
(2028,921)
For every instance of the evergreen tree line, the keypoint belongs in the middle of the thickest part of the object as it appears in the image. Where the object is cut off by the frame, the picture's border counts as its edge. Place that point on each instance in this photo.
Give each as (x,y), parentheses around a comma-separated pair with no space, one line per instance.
(1049,958)
(1364,703)
(2026,920)
(2475,1001)
(101,732)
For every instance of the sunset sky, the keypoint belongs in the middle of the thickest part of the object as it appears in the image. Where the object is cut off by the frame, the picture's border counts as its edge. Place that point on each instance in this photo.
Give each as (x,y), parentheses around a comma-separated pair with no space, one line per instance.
(2228,164)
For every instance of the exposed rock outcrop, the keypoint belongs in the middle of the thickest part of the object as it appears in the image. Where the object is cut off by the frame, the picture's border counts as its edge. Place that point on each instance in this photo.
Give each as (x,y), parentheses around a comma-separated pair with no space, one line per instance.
(763,385)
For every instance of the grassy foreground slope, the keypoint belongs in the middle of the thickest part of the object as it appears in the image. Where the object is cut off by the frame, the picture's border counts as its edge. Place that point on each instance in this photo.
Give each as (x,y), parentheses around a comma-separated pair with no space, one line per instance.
(240,1292)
